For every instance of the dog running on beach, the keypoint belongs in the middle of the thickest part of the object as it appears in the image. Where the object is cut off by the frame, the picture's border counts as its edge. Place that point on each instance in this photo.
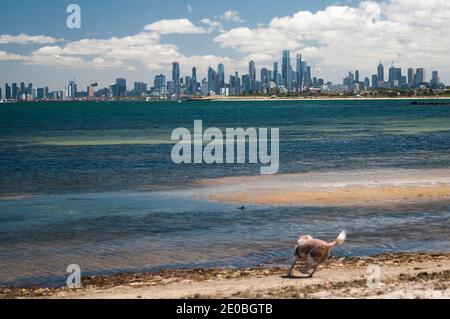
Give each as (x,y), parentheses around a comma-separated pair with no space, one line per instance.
(314,252)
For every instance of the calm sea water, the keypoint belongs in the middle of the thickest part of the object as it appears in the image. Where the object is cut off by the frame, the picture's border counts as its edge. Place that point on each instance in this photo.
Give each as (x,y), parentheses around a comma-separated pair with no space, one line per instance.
(93,184)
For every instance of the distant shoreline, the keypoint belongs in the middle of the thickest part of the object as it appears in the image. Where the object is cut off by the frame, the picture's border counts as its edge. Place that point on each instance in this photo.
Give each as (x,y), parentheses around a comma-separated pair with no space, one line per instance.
(240,99)
(308,99)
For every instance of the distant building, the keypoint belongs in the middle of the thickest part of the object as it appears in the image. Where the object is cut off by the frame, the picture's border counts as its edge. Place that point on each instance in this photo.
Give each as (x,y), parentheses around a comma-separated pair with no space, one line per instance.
(235,84)
(159,84)
(120,88)
(411,76)
(420,76)
(435,80)
(90,91)
(395,77)
(140,88)
(176,77)
(286,70)
(380,76)
(252,75)
(170,87)
(194,83)
(246,84)
(275,73)
(299,73)
(374,81)
(213,81)
(221,75)
(7,91)
(205,87)
(72,90)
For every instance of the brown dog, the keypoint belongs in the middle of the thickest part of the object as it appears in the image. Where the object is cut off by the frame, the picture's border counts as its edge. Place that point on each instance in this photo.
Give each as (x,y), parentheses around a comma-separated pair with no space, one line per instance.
(314,252)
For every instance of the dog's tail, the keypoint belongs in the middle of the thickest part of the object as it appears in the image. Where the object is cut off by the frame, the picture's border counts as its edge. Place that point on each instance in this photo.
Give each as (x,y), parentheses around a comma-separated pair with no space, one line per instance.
(340,240)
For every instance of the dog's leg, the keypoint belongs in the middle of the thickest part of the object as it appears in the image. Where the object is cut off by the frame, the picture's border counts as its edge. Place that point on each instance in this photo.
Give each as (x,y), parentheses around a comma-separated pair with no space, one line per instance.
(314,270)
(309,264)
(294,261)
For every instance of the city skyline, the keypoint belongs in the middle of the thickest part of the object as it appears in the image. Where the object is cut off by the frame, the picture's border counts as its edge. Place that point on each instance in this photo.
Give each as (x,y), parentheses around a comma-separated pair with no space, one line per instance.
(333,37)
(294,78)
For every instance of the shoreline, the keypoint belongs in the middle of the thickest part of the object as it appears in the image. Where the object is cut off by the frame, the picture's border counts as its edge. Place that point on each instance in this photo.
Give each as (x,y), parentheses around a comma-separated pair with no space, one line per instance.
(243,99)
(318,98)
(404,275)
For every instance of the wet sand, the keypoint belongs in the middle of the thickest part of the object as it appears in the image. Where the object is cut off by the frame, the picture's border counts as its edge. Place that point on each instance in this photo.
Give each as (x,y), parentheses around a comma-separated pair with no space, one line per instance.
(338,189)
(403,275)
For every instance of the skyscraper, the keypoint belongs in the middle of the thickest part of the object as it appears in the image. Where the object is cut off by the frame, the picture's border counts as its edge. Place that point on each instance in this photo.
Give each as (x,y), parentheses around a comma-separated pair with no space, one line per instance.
(14,91)
(221,75)
(420,76)
(246,83)
(1,94)
(176,77)
(159,84)
(72,90)
(411,77)
(374,81)
(299,73)
(395,76)
(140,88)
(212,81)
(380,75)
(286,70)
(7,91)
(357,76)
(235,84)
(275,73)
(265,77)
(435,80)
(194,83)
(23,90)
(252,75)
(121,87)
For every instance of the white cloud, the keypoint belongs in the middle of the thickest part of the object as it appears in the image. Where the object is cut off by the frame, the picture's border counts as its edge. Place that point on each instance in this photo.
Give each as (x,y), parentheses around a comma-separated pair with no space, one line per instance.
(5,56)
(27,39)
(411,31)
(337,38)
(232,15)
(189,8)
(212,25)
(134,52)
(168,26)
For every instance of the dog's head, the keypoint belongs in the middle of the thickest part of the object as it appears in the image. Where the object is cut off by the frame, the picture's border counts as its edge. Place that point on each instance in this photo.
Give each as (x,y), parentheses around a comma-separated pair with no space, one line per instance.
(305,237)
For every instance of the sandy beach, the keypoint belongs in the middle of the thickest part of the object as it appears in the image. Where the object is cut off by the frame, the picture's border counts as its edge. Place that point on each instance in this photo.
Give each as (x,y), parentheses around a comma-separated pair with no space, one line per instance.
(403,275)
(344,189)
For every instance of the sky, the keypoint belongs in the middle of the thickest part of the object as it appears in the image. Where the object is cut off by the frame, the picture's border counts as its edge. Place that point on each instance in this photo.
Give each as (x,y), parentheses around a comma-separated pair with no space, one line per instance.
(138,39)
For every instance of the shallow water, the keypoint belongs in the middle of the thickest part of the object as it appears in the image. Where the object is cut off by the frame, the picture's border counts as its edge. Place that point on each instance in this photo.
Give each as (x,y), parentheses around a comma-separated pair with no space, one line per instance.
(93,184)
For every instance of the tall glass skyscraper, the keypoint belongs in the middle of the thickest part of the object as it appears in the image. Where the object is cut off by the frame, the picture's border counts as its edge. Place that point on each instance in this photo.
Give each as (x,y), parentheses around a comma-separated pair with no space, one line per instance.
(221,75)
(194,82)
(176,77)
(275,73)
(299,73)
(286,70)
(252,75)
(380,73)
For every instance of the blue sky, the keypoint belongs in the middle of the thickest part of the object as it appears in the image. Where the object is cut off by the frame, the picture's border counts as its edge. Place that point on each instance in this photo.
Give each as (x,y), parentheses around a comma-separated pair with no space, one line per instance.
(322,32)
